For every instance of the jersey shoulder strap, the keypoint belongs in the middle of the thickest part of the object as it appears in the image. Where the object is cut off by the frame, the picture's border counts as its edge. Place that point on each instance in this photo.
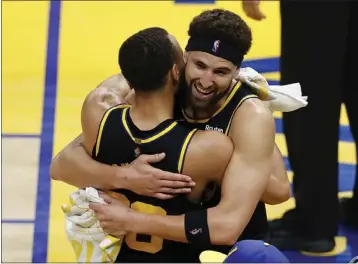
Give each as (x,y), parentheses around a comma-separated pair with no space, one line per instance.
(108,115)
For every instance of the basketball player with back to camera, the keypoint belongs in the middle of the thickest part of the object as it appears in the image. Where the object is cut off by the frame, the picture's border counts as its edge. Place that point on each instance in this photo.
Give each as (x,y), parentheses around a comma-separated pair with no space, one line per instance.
(151,61)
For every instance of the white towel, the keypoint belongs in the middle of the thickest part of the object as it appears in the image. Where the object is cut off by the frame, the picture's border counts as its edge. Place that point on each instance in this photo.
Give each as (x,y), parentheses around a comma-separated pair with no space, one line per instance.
(285,98)
(88,240)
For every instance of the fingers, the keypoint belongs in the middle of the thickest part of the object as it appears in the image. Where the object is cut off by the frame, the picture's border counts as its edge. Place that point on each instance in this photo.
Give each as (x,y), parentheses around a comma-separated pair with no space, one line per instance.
(174,191)
(175,177)
(152,158)
(258,15)
(176,184)
(163,196)
(252,9)
(108,199)
(112,232)
(95,206)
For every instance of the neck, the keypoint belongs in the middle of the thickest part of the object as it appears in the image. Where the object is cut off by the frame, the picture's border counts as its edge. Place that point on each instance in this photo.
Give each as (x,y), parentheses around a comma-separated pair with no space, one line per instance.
(151,109)
(198,112)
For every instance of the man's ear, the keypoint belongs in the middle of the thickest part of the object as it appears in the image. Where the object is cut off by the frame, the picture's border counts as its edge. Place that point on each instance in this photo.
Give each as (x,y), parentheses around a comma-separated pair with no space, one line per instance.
(236,74)
(175,73)
(237,71)
(185,56)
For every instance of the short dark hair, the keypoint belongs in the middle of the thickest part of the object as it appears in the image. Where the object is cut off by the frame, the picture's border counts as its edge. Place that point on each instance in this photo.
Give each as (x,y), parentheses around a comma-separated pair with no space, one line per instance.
(146,57)
(224,25)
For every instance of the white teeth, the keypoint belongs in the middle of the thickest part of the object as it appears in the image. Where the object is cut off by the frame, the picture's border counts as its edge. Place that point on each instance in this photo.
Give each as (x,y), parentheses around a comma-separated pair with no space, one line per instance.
(203,91)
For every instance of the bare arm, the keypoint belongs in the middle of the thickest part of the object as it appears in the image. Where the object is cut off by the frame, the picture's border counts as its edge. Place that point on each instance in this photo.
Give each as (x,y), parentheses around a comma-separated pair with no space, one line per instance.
(207,157)
(95,106)
(244,183)
(73,164)
(278,189)
(247,176)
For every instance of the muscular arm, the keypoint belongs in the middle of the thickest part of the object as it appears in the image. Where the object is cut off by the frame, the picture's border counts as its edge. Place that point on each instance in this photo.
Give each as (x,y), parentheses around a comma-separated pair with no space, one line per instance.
(207,157)
(244,182)
(278,189)
(73,164)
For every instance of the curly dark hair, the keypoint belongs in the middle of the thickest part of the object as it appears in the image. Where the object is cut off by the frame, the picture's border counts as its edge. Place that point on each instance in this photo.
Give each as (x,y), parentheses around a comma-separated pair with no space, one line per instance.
(224,25)
(146,57)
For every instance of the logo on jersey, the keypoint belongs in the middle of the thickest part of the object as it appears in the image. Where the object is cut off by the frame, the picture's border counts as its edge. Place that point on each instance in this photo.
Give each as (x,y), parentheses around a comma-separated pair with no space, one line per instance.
(207,127)
(137,152)
(216,45)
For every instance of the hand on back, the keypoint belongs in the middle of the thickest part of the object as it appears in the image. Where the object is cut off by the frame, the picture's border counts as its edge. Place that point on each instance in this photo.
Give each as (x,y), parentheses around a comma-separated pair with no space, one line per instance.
(146,180)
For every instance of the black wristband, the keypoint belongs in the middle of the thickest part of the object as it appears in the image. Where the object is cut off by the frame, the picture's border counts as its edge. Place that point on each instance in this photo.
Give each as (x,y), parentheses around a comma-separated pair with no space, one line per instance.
(197,229)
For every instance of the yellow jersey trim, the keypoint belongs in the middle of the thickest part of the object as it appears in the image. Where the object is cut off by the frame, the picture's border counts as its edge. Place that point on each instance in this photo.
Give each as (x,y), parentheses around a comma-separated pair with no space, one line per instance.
(238,105)
(184,149)
(228,99)
(103,122)
(150,139)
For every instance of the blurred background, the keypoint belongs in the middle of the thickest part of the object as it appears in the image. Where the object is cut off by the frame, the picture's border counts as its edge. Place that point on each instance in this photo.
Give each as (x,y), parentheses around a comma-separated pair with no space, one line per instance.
(53,54)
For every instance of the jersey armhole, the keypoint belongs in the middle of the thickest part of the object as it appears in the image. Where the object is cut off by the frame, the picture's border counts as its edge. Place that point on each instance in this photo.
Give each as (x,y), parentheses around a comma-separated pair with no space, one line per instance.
(184,149)
(104,119)
(237,107)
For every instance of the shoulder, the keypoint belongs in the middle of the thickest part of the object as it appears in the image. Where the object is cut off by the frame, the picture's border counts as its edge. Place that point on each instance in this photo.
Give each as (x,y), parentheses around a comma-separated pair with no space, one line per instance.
(116,83)
(112,91)
(253,128)
(253,110)
(97,103)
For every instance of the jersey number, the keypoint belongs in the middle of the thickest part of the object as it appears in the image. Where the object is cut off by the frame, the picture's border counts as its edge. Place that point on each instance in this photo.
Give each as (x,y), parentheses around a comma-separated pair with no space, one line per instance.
(156,243)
